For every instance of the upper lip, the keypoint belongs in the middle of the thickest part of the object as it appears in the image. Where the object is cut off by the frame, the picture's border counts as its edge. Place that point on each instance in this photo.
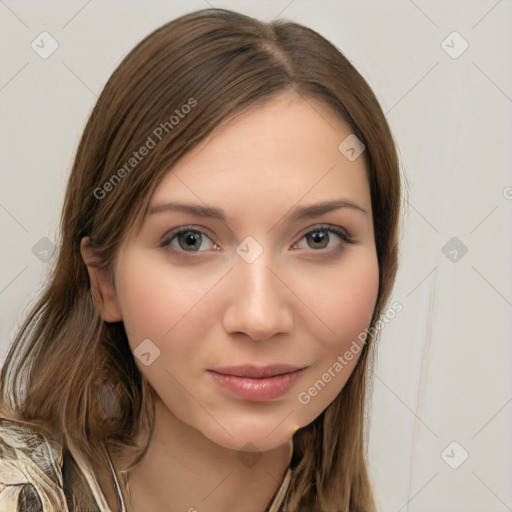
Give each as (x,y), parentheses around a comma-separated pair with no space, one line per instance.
(256,372)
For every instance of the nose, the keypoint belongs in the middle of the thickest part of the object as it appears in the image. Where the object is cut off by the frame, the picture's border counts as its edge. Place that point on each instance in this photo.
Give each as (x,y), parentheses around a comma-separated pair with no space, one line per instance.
(260,305)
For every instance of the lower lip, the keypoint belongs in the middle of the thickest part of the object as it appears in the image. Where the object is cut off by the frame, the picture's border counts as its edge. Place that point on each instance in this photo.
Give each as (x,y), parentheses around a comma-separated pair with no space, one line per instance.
(257,389)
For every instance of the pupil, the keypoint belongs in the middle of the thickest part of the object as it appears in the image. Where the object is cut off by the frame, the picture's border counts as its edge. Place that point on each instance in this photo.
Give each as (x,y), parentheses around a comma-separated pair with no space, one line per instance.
(320,239)
(191,240)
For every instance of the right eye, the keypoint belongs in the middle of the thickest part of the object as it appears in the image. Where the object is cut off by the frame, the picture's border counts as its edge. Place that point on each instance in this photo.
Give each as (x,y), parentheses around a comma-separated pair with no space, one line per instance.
(187,239)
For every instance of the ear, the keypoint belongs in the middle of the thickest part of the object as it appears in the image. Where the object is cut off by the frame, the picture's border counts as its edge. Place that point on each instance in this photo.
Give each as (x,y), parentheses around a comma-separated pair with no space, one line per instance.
(102,285)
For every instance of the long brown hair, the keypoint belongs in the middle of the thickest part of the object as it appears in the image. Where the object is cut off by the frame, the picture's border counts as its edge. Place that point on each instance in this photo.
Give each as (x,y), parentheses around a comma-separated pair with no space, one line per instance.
(219,63)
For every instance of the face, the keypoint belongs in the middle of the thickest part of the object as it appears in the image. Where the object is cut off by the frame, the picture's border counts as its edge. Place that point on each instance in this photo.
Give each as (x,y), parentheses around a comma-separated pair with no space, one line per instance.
(249,282)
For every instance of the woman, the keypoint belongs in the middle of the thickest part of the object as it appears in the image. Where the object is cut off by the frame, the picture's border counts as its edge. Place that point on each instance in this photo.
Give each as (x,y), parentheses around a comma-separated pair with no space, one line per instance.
(229,241)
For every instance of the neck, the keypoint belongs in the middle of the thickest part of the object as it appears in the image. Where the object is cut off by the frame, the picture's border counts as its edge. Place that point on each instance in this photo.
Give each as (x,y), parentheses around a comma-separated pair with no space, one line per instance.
(185,471)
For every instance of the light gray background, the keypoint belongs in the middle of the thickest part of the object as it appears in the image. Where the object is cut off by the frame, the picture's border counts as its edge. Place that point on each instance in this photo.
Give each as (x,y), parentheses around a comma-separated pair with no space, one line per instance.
(444,367)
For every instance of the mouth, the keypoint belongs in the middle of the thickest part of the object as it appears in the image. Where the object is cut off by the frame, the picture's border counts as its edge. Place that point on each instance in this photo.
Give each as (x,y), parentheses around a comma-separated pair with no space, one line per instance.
(256,383)
(256,372)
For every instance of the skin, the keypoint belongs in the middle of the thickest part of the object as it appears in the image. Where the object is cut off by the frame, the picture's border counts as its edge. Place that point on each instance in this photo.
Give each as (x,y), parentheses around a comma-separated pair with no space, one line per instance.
(299,302)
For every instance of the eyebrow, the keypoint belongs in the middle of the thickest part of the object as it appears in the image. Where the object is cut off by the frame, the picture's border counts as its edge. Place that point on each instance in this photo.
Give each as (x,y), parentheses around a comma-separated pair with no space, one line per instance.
(298,213)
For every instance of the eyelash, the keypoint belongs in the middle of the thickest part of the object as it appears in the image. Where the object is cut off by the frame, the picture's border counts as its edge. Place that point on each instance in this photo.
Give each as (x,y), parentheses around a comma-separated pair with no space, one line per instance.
(166,242)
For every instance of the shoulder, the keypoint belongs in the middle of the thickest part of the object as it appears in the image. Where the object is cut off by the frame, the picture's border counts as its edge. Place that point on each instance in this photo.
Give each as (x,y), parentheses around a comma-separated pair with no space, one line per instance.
(30,470)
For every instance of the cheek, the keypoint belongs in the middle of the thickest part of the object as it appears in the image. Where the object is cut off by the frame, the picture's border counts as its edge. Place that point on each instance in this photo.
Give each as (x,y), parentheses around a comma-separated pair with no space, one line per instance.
(155,302)
(344,300)
(146,305)
(357,297)
(346,306)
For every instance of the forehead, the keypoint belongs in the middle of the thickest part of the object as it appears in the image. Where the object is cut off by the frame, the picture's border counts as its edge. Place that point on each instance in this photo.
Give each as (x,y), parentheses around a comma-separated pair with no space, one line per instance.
(275,155)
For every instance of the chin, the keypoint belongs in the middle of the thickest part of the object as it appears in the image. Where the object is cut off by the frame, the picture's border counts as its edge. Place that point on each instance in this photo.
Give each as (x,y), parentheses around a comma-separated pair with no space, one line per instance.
(253,436)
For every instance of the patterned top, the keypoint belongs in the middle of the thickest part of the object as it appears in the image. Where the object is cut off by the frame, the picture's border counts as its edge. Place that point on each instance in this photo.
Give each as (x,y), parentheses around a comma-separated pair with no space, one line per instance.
(31,474)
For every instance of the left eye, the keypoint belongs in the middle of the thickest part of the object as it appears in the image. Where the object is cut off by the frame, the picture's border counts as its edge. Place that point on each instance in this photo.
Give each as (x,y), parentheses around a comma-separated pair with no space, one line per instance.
(320,238)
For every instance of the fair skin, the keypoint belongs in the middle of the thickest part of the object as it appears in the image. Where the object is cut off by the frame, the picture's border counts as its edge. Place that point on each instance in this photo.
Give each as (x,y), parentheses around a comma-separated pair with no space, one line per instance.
(301,302)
